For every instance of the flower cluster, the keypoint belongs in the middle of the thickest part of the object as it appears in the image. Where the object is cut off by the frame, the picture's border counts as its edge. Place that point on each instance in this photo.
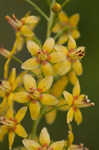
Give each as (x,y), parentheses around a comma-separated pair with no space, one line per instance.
(41,86)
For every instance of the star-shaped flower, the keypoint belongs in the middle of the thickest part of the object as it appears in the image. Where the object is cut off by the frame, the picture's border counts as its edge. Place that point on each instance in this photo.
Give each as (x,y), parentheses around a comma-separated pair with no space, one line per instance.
(73,58)
(75,101)
(7,87)
(70,24)
(44,143)
(23,28)
(44,59)
(11,125)
(36,94)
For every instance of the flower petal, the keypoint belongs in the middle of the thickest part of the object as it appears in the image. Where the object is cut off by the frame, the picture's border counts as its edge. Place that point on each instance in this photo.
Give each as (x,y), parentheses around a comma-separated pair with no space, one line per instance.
(70,115)
(2,93)
(61,48)
(78,116)
(26,31)
(21,97)
(47,69)
(68,97)
(10,113)
(57,57)
(29,82)
(75,34)
(49,45)
(48,99)
(51,116)
(20,131)
(11,139)
(76,89)
(31,21)
(44,137)
(31,144)
(30,64)
(20,114)
(4,107)
(59,145)
(63,17)
(77,66)
(3,132)
(10,99)
(34,110)
(32,47)
(59,86)
(71,44)
(56,28)
(62,68)
(63,39)
(19,41)
(12,76)
(72,77)
(74,20)
(46,83)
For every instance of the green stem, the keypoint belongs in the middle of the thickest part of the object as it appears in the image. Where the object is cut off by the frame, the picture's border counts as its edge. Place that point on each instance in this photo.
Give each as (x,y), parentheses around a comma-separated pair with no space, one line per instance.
(56,108)
(50,22)
(48,1)
(36,123)
(65,3)
(38,9)
(17,59)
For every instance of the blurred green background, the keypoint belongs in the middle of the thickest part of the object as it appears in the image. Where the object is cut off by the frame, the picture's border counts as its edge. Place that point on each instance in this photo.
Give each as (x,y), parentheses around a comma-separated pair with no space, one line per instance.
(88,131)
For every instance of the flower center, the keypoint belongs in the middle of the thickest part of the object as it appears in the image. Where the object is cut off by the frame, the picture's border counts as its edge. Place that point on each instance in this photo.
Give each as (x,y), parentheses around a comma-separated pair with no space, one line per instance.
(43,56)
(10,123)
(35,94)
(75,98)
(74,54)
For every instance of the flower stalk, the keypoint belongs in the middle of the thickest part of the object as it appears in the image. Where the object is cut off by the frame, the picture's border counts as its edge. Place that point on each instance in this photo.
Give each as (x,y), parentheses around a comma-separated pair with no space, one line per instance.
(65,3)
(51,19)
(38,9)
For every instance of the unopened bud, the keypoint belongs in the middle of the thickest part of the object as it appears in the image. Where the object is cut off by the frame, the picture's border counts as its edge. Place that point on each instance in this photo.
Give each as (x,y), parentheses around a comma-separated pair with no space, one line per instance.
(56,8)
(14,22)
(4,52)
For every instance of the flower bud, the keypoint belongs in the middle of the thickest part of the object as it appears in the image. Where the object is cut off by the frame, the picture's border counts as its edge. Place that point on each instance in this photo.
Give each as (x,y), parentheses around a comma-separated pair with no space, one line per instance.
(4,52)
(56,8)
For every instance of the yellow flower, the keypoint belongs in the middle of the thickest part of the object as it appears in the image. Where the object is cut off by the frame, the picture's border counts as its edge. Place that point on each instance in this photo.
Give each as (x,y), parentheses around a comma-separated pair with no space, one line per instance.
(11,125)
(46,60)
(7,88)
(75,101)
(73,57)
(44,142)
(36,94)
(23,28)
(65,22)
